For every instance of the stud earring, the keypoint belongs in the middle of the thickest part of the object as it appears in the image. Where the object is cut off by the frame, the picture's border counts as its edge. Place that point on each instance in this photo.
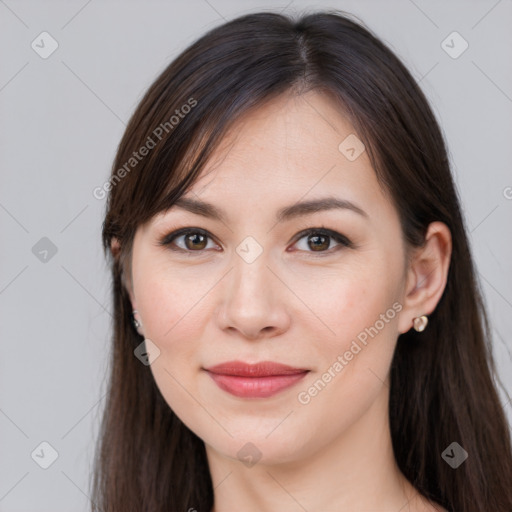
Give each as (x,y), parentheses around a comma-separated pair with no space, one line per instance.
(420,323)
(136,323)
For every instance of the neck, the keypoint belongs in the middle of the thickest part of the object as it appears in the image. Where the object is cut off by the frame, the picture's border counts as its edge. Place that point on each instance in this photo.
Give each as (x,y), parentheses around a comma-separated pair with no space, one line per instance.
(357,471)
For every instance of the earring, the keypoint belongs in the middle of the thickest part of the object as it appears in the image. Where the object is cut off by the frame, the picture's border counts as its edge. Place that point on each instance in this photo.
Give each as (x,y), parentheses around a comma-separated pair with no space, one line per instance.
(420,323)
(136,323)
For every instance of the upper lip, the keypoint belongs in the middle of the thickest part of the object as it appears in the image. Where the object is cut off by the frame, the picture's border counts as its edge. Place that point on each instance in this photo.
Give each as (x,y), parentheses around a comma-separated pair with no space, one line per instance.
(261,369)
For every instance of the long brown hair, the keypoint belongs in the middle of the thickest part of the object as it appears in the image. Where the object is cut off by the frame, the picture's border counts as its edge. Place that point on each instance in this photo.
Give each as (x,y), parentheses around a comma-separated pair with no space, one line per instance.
(443,386)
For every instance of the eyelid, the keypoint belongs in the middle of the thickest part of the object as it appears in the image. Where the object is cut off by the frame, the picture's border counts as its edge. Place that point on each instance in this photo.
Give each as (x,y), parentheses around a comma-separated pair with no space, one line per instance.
(167,239)
(341,239)
(338,237)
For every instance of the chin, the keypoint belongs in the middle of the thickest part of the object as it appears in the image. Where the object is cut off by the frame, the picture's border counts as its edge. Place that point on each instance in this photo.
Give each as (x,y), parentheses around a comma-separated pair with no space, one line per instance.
(252,447)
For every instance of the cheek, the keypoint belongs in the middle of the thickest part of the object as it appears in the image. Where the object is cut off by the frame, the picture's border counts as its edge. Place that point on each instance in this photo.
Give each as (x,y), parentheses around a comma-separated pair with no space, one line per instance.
(171,307)
(353,364)
(345,301)
(359,310)
(168,300)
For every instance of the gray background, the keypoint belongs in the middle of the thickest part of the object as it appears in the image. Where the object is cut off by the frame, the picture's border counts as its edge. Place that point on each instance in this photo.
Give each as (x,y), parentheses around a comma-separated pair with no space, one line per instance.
(61,120)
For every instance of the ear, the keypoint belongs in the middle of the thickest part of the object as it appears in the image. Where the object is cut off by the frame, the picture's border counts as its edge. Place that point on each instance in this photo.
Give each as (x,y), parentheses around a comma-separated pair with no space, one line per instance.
(427,275)
(115,249)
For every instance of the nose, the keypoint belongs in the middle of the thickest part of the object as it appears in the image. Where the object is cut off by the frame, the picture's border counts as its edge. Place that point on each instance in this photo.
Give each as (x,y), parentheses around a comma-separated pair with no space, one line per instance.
(253,301)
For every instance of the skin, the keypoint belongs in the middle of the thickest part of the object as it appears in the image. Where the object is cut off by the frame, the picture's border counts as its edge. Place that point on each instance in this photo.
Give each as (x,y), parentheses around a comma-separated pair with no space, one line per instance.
(292,305)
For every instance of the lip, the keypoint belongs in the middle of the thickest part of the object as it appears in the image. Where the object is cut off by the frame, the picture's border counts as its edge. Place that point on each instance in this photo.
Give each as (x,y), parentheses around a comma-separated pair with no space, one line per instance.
(260,380)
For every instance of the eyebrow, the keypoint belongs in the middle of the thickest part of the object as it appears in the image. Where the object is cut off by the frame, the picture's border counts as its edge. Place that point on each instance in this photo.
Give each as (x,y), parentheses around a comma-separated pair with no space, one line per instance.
(284,214)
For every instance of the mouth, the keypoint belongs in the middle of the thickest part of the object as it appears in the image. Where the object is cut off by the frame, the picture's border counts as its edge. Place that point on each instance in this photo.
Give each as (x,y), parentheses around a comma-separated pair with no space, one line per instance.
(260,380)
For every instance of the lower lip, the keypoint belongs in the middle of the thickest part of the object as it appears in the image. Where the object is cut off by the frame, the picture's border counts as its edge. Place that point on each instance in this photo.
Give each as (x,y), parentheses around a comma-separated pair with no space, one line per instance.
(255,387)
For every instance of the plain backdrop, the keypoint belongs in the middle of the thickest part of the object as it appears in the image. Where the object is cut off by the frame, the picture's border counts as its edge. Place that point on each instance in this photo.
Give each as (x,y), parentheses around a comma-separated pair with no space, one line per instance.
(61,120)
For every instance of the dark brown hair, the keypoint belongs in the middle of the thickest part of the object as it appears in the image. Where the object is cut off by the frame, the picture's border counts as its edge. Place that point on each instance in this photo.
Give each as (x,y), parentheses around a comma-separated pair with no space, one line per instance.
(442,381)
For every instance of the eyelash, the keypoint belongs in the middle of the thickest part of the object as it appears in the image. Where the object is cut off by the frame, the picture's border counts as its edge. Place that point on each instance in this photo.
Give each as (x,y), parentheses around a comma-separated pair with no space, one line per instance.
(342,240)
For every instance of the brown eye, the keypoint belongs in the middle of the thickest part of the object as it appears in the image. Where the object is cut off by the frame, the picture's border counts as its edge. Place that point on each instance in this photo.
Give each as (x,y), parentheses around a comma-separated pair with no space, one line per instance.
(321,240)
(318,242)
(188,241)
(196,241)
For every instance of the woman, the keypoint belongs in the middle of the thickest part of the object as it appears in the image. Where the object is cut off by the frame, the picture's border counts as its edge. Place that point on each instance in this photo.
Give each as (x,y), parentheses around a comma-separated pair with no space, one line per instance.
(297,322)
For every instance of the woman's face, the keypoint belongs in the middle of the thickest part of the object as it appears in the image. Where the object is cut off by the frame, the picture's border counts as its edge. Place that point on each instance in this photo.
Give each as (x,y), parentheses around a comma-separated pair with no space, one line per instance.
(251,287)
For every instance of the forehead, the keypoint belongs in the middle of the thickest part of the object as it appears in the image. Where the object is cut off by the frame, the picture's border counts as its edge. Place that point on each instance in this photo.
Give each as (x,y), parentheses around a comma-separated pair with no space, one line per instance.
(290,150)
(291,146)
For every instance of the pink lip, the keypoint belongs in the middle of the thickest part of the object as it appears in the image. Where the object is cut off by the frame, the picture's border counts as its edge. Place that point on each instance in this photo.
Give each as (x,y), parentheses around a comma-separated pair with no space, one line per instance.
(258,380)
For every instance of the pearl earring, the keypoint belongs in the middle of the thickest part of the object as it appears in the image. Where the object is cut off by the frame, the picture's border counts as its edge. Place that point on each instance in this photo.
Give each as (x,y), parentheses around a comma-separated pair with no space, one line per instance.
(136,322)
(420,323)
